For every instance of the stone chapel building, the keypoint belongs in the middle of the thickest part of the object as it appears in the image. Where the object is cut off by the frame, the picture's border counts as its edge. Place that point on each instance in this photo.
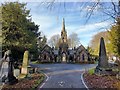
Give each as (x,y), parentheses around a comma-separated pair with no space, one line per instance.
(64,53)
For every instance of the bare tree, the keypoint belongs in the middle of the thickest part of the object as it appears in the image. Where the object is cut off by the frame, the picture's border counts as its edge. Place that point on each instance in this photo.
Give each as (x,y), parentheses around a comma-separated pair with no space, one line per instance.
(73,40)
(94,43)
(53,41)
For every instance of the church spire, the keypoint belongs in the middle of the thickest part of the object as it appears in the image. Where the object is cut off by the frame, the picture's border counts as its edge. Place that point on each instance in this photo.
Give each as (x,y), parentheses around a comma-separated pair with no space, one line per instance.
(63,26)
(63,32)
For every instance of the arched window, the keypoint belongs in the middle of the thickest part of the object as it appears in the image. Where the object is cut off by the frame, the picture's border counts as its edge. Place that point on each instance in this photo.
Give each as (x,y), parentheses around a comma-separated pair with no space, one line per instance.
(83,57)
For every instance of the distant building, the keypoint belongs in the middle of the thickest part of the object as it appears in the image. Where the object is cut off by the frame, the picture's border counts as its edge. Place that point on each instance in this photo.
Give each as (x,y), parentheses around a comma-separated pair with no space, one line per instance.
(81,54)
(46,54)
(64,53)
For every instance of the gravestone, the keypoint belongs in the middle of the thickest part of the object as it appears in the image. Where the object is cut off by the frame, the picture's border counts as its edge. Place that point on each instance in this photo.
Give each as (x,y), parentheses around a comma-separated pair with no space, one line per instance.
(4,68)
(24,69)
(11,78)
(103,60)
(16,72)
(7,69)
(103,66)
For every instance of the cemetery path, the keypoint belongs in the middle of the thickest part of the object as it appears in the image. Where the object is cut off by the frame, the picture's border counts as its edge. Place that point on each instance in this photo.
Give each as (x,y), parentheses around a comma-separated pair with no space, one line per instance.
(63,75)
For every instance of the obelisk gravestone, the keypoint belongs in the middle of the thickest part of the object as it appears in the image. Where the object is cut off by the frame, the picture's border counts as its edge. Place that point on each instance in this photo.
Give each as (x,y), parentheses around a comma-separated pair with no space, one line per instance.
(102,62)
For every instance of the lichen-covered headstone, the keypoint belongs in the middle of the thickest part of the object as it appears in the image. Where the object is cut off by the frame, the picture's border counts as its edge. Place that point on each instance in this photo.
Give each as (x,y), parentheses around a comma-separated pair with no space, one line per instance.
(24,70)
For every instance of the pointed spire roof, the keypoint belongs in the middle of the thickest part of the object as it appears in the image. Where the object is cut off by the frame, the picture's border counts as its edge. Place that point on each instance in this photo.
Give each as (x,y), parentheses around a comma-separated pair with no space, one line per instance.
(63,26)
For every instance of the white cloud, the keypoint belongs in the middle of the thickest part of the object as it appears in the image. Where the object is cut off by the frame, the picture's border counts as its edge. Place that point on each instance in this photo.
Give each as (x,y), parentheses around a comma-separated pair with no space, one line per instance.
(51,25)
(55,31)
(85,32)
(44,21)
(48,25)
(88,27)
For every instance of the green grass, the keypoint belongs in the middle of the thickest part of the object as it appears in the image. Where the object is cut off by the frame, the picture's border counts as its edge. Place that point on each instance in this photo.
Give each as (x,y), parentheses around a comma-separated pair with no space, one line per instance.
(34,62)
(38,82)
(95,62)
(91,71)
(37,62)
(22,76)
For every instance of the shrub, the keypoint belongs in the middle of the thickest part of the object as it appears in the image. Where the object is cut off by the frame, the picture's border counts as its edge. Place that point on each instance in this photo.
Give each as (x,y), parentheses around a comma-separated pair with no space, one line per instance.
(91,71)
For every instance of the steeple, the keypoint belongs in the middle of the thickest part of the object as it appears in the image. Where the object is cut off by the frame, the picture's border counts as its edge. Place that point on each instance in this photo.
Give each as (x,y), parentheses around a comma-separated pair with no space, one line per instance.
(63,32)
(63,25)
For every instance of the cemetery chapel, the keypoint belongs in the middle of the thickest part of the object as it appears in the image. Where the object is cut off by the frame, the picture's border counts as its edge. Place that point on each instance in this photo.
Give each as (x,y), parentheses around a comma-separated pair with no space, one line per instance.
(64,53)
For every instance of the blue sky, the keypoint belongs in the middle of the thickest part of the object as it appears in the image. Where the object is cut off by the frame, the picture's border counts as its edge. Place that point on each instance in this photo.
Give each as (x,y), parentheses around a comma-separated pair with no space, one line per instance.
(50,20)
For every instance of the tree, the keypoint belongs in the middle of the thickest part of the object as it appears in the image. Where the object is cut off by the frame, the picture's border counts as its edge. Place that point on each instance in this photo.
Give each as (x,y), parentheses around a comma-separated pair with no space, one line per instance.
(90,50)
(44,40)
(115,38)
(41,42)
(95,42)
(73,40)
(54,41)
(18,31)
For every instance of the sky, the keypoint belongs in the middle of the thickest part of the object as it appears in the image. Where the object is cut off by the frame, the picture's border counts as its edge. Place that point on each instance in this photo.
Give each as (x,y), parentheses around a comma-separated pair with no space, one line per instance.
(50,19)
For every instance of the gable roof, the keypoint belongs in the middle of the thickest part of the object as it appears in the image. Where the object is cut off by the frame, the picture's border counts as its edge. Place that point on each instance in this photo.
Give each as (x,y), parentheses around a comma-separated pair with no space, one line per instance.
(46,48)
(81,48)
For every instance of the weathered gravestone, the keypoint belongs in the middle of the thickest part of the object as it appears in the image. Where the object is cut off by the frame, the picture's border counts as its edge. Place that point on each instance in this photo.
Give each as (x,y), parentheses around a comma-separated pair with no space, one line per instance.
(6,71)
(4,68)
(11,78)
(24,69)
(103,67)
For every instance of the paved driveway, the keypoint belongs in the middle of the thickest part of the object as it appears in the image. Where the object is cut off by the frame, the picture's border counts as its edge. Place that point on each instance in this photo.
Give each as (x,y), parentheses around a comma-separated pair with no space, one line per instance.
(63,75)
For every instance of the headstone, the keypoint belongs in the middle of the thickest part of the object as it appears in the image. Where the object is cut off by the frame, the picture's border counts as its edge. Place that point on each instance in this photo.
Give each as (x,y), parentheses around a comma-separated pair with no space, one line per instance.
(11,78)
(16,72)
(102,62)
(3,69)
(24,70)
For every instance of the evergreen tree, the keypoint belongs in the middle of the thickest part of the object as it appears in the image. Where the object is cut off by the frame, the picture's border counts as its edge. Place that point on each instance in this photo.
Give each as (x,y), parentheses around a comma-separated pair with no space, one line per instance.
(18,31)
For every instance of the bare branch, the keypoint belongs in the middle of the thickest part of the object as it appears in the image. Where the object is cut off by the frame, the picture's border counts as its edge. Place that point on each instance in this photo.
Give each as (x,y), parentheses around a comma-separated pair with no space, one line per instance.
(92,9)
(109,14)
(51,4)
(114,6)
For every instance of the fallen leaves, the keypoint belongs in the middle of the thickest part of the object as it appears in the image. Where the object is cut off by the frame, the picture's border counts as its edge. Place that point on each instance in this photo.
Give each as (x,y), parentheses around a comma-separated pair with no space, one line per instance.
(26,83)
(94,81)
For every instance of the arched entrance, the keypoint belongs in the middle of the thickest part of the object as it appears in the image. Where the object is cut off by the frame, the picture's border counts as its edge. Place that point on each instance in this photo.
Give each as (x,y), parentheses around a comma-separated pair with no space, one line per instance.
(64,59)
